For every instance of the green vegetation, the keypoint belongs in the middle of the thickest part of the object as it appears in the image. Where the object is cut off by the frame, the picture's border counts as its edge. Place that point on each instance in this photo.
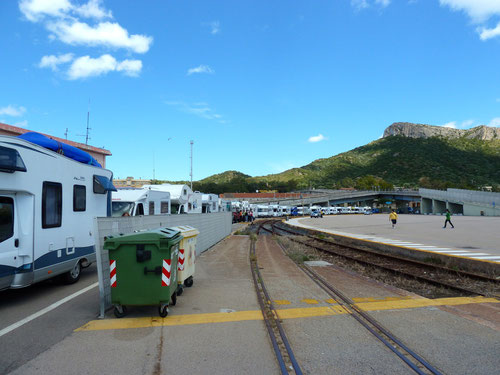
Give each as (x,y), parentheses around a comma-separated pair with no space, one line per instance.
(435,162)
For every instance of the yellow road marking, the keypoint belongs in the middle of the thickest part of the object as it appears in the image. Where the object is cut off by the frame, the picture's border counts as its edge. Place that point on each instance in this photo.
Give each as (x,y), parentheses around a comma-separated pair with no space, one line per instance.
(364,300)
(305,312)
(281,302)
(331,300)
(310,301)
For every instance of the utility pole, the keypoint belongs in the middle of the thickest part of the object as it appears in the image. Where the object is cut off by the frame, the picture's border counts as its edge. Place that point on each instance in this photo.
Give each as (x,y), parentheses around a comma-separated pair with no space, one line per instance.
(154,166)
(191,174)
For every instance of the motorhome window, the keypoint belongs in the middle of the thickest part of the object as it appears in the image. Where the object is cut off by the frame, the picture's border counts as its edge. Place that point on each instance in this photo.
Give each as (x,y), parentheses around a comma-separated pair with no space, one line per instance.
(151,208)
(185,191)
(175,208)
(102,185)
(164,207)
(51,204)
(10,160)
(140,210)
(79,198)
(119,209)
(6,218)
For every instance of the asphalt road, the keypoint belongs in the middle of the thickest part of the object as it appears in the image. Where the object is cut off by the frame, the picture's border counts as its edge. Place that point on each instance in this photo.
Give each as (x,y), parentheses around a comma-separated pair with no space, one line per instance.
(29,340)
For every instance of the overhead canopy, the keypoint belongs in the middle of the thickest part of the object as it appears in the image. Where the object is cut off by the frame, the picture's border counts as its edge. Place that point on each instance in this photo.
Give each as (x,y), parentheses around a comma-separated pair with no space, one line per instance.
(102,184)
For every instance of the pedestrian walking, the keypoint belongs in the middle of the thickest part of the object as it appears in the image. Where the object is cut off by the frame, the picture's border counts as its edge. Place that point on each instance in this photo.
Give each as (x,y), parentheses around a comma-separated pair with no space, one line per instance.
(448,219)
(393,217)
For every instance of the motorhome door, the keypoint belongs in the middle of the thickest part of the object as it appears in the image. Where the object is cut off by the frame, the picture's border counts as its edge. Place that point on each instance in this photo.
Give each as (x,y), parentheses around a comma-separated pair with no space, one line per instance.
(9,240)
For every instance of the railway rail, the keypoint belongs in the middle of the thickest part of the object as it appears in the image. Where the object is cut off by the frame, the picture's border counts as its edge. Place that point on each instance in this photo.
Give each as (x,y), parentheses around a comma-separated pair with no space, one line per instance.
(282,349)
(412,359)
(429,273)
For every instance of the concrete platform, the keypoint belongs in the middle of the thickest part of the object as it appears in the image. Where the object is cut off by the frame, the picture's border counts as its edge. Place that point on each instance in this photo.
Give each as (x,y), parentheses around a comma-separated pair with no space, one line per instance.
(475,238)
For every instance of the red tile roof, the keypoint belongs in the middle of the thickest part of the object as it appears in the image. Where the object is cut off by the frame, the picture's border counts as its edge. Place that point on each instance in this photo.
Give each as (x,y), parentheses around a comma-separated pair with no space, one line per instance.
(82,146)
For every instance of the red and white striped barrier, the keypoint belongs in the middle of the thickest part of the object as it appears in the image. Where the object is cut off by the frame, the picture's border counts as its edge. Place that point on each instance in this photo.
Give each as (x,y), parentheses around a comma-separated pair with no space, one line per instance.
(181,260)
(165,275)
(112,273)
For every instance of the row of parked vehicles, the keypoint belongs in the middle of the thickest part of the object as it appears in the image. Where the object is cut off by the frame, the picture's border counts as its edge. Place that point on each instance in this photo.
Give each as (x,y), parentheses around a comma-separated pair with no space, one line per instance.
(276,210)
(50,193)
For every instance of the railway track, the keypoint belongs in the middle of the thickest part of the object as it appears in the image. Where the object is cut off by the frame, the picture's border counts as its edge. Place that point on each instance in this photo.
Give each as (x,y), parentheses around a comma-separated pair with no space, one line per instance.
(412,359)
(428,273)
(282,349)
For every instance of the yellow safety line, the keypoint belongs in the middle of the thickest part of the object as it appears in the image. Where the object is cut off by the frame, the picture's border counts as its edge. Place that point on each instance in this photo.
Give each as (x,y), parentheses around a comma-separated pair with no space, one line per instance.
(294,313)
(323,230)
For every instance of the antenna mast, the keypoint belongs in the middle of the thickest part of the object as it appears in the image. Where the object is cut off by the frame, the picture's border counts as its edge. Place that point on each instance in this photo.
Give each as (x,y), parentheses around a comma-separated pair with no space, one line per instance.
(87,137)
(191,174)
(154,166)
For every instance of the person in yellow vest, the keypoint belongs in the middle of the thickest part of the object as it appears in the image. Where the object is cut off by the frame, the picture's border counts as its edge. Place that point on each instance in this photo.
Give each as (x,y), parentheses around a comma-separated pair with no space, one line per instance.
(393,217)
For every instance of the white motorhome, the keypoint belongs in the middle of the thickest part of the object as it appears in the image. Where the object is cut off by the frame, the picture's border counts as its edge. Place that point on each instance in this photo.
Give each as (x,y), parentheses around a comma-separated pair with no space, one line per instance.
(274,210)
(179,196)
(285,210)
(210,203)
(135,202)
(195,203)
(261,211)
(48,203)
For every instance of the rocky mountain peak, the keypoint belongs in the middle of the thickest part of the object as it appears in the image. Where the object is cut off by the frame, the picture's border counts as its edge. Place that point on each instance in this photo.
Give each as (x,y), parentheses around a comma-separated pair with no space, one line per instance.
(410,130)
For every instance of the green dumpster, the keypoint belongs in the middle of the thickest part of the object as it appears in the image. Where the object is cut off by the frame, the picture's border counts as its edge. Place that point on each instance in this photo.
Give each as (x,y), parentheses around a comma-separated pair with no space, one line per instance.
(143,269)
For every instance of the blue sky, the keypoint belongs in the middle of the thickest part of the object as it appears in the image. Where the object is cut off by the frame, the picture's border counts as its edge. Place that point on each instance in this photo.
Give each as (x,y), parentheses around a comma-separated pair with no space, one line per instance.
(259,86)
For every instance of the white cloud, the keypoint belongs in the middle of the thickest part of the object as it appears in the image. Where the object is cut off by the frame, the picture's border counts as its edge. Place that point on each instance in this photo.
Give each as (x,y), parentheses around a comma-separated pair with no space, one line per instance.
(478,10)
(202,110)
(364,4)
(200,69)
(495,122)
(93,9)
(214,27)
(12,111)
(85,66)
(52,61)
(359,4)
(467,124)
(21,124)
(35,10)
(316,138)
(109,34)
(451,124)
(383,3)
(485,33)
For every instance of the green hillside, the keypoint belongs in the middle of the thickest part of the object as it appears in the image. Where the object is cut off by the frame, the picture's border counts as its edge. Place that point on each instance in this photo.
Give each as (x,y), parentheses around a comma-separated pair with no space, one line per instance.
(435,162)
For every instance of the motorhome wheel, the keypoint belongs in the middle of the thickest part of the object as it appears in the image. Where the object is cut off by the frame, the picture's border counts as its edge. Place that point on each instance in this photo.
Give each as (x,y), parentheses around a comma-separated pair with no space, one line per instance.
(73,276)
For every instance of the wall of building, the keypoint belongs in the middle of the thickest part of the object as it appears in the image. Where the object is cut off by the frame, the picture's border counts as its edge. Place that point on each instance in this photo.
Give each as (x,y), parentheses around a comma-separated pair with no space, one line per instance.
(213,228)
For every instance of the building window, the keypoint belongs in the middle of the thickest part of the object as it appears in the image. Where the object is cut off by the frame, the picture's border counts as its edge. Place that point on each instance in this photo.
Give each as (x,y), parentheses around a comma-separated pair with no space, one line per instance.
(6,218)
(79,197)
(164,207)
(151,208)
(51,204)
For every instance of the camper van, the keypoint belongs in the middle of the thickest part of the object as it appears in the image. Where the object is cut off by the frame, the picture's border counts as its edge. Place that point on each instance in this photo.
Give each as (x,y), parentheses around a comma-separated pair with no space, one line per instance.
(50,194)
(135,202)
(262,211)
(210,203)
(179,196)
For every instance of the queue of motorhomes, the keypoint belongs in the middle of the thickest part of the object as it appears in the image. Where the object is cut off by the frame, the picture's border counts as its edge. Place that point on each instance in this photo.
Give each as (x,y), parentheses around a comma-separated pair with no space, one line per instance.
(135,202)
(49,195)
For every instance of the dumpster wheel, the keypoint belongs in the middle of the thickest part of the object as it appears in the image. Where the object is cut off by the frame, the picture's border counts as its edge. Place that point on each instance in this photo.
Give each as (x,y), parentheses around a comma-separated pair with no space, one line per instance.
(180,289)
(163,309)
(174,299)
(120,311)
(189,282)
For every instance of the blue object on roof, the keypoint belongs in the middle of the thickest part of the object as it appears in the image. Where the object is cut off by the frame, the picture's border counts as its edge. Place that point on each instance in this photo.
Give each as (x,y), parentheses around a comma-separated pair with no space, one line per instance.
(61,148)
(104,182)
